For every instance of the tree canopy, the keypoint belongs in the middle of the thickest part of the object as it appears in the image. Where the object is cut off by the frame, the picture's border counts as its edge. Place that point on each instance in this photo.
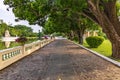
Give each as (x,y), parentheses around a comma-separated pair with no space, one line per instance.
(103,12)
(17,30)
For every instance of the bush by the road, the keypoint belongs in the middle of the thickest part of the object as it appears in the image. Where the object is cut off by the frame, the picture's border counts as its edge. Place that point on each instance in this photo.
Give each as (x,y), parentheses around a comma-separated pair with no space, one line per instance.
(94,41)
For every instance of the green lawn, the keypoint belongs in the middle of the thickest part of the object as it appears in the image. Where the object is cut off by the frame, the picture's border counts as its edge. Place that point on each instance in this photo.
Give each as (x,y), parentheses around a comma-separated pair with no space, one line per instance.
(104,49)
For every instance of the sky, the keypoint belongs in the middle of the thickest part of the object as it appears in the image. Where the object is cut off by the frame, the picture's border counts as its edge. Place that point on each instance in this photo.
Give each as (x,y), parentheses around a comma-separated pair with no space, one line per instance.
(9,18)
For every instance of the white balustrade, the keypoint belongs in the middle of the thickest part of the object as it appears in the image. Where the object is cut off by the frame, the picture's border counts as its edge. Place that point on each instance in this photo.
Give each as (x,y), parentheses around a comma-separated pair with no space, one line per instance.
(11,55)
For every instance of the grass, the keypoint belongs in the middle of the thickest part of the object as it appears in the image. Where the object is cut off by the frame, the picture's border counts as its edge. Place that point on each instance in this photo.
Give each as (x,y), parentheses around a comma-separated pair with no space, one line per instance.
(104,49)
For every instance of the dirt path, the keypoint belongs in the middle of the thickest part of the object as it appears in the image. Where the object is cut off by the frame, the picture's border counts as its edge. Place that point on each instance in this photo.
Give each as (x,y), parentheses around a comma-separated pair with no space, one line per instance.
(61,60)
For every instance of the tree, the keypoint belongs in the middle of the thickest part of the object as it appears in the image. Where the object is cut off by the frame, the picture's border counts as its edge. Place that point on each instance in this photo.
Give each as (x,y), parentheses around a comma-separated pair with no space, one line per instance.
(68,22)
(23,30)
(104,12)
(34,11)
(40,35)
(58,22)
(82,23)
(13,31)
(3,27)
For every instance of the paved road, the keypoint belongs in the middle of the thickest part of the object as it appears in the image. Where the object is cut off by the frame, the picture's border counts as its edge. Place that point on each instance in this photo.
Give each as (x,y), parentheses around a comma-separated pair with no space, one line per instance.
(61,60)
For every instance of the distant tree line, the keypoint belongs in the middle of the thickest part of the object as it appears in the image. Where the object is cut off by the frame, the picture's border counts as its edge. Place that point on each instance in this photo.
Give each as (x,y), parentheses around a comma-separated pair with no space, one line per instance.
(17,30)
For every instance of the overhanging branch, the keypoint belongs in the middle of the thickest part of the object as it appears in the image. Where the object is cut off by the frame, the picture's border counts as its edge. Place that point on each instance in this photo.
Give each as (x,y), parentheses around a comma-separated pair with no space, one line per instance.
(87,14)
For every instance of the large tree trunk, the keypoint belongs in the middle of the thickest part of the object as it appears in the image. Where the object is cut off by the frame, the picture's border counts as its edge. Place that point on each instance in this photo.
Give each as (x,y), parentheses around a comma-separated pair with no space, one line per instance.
(80,38)
(72,35)
(80,34)
(116,49)
(107,19)
(69,35)
(113,37)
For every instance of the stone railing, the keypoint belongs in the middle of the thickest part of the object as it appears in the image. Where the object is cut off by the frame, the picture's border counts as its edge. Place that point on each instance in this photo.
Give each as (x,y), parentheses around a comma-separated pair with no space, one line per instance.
(11,55)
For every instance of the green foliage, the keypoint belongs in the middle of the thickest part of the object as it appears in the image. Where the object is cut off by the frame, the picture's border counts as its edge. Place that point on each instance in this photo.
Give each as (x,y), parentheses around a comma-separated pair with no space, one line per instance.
(38,11)
(17,30)
(118,7)
(40,34)
(22,30)
(75,39)
(3,27)
(75,5)
(100,33)
(48,28)
(105,48)
(58,34)
(12,44)
(33,11)
(31,39)
(2,45)
(94,41)
(63,15)
(34,34)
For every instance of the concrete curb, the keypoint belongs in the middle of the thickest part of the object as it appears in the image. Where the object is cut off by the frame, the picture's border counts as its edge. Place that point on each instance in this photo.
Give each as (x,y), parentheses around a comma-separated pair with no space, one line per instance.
(99,55)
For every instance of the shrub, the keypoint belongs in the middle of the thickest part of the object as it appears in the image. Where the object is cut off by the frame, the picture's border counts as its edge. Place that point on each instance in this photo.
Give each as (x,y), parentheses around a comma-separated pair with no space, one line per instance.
(94,41)
(75,39)
(21,40)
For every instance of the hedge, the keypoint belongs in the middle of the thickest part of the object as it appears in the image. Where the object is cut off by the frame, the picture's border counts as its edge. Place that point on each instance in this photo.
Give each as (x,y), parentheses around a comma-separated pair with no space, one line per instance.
(94,41)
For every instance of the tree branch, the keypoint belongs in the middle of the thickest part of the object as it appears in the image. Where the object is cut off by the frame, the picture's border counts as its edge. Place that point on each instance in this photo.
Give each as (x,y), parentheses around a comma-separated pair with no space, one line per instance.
(91,4)
(89,15)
